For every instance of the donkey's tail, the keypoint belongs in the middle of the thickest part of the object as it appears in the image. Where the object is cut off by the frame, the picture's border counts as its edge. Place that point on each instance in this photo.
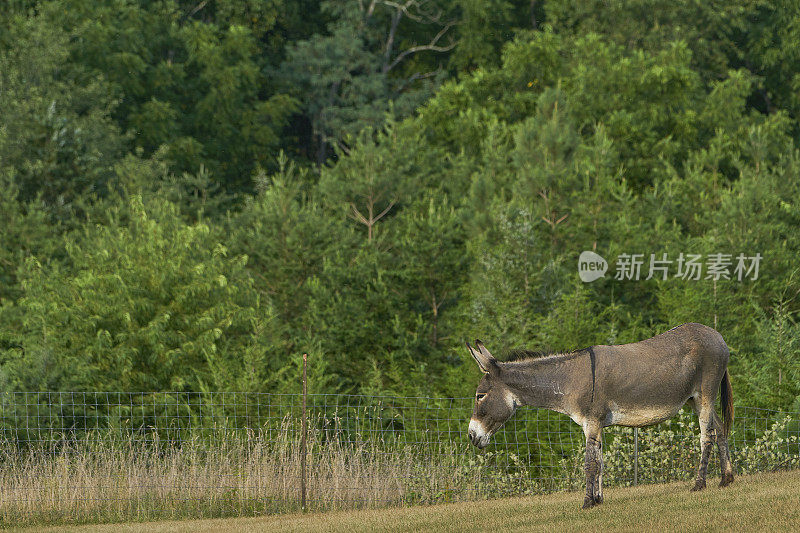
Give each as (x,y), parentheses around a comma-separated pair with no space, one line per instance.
(726,400)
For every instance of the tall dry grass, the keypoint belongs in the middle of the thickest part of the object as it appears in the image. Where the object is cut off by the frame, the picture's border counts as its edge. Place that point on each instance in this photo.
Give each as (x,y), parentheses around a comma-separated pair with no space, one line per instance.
(100,478)
(115,476)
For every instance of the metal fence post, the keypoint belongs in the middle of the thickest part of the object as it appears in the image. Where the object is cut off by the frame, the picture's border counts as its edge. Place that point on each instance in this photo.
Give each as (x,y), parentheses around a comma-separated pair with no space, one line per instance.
(635,456)
(303,441)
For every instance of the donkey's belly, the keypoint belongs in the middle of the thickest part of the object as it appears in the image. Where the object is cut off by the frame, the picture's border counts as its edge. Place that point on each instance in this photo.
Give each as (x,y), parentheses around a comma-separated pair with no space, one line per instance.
(640,416)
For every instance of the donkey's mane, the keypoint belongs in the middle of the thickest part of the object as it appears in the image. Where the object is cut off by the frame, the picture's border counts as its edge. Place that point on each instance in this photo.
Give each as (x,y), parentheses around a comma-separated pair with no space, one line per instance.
(520,355)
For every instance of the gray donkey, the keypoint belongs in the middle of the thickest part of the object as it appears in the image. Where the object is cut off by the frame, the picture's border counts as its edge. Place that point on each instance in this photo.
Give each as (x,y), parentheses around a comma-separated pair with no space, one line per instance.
(635,385)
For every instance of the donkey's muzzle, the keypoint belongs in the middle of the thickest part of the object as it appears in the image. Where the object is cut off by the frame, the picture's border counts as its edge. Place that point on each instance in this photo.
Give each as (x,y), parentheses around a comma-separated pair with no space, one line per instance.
(477,434)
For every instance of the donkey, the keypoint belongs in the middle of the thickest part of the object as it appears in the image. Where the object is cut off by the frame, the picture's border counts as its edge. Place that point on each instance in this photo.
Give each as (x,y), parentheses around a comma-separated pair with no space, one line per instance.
(634,385)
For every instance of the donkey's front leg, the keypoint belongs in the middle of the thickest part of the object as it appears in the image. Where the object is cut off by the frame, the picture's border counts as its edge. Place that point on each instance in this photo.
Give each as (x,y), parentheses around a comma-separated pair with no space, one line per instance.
(594,465)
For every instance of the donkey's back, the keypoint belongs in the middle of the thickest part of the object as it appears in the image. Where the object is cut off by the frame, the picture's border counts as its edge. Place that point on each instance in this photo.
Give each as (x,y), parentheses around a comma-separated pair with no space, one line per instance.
(687,341)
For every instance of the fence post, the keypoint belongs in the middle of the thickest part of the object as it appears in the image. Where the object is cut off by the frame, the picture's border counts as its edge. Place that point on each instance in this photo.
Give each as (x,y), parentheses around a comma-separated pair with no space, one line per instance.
(635,456)
(303,441)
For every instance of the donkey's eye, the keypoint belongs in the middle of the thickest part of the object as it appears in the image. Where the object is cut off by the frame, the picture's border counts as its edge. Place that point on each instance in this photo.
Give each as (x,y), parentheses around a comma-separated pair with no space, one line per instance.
(479,396)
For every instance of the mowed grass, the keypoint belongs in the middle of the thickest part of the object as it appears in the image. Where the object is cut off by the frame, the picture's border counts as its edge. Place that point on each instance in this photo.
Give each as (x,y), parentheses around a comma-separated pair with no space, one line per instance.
(760,502)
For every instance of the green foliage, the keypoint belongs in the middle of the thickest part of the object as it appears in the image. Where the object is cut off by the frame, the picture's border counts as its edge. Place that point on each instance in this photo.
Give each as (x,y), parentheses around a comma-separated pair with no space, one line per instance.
(773,368)
(776,448)
(56,135)
(512,280)
(143,303)
(194,86)
(432,263)
(648,102)
(195,193)
(26,231)
(712,30)
(373,58)
(367,185)
(485,26)
(286,237)
(770,51)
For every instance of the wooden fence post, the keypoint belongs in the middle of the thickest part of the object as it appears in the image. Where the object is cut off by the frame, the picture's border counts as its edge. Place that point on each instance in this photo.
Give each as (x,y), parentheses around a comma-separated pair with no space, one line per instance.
(303,440)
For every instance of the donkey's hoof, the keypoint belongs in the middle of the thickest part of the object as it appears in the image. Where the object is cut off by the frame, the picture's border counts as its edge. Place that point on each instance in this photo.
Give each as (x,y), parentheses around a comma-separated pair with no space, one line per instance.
(588,503)
(699,485)
(598,500)
(727,479)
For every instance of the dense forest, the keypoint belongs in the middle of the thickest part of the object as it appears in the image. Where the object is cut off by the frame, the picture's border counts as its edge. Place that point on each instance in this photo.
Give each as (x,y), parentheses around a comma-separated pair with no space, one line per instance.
(195,192)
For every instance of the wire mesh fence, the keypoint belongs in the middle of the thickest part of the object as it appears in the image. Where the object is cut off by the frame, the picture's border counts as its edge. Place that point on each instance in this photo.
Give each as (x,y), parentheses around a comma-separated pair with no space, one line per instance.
(84,456)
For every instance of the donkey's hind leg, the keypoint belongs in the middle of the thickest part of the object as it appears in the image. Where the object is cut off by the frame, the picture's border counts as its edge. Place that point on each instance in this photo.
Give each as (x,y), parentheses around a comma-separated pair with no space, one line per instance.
(708,432)
(725,465)
(598,486)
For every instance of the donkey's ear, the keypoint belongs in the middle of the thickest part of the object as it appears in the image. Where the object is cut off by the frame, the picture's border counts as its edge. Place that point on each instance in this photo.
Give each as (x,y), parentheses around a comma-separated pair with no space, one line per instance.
(482,357)
(483,350)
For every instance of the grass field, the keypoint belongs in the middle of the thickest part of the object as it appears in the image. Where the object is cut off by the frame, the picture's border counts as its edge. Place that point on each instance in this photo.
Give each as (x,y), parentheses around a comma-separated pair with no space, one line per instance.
(760,502)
